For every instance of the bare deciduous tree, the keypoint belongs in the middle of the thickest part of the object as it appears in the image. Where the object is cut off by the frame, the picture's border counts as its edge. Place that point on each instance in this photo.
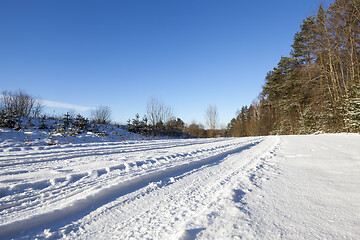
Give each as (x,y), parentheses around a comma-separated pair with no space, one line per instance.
(211,117)
(101,115)
(157,112)
(21,103)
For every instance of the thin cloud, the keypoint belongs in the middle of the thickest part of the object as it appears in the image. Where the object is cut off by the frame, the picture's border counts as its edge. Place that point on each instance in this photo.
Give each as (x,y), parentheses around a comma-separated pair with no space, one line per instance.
(54,104)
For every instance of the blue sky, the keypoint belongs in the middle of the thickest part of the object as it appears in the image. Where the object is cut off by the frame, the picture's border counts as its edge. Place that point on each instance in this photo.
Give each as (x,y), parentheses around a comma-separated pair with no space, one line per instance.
(189,53)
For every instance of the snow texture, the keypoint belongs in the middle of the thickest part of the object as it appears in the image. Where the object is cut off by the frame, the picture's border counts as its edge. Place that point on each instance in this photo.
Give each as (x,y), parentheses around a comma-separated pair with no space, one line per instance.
(276,187)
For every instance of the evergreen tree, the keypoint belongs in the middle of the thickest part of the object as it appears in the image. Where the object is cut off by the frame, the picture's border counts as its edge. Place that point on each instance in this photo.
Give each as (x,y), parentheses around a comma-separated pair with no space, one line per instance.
(352,110)
(81,123)
(67,120)
(317,87)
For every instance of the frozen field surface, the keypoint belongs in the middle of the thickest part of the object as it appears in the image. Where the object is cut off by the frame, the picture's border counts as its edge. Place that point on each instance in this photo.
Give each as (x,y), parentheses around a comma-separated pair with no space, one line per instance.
(276,187)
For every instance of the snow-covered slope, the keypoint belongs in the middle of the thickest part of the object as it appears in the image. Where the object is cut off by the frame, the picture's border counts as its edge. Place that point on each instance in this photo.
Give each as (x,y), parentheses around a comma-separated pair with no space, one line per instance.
(31,137)
(278,187)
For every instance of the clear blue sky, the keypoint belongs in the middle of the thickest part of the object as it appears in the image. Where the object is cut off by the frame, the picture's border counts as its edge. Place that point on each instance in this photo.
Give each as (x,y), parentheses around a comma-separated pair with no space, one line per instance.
(189,53)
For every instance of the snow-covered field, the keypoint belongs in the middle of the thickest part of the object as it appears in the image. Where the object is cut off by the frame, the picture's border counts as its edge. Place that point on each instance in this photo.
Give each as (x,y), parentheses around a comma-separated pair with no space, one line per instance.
(277,187)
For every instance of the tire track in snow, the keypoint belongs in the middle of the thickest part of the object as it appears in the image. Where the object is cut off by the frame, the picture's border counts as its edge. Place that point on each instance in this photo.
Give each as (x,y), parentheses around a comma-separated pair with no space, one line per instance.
(104,194)
(174,205)
(13,158)
(74,177)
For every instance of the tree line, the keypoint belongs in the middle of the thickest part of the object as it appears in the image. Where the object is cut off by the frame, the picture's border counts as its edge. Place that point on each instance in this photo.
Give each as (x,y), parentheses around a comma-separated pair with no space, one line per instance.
(160,120)
(17,108)
(317,87)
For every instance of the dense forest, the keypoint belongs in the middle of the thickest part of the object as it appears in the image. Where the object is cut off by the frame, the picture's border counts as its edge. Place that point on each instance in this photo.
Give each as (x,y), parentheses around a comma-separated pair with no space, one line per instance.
(317,87)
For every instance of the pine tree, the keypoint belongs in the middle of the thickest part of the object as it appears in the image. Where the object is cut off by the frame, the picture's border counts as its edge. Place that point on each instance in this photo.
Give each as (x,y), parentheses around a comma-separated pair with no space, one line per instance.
(302,48)
(67,120)
(60,128)
(352,110)
(81,123)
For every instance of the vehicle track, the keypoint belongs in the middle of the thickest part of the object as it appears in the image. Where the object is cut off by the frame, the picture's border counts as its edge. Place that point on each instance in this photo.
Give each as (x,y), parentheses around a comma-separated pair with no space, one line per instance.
(172,206)
(83,178)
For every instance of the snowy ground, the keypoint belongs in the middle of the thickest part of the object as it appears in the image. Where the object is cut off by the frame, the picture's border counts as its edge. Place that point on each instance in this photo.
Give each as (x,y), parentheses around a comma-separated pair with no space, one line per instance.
(279,187)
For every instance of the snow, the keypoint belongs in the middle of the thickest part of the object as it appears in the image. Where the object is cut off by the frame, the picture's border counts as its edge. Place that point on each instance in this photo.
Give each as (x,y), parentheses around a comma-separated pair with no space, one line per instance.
(276,187)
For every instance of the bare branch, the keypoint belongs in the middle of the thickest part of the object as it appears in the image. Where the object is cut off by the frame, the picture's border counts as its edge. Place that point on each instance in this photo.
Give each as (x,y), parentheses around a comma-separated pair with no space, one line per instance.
(101,115)
(157,112)
(211,117)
